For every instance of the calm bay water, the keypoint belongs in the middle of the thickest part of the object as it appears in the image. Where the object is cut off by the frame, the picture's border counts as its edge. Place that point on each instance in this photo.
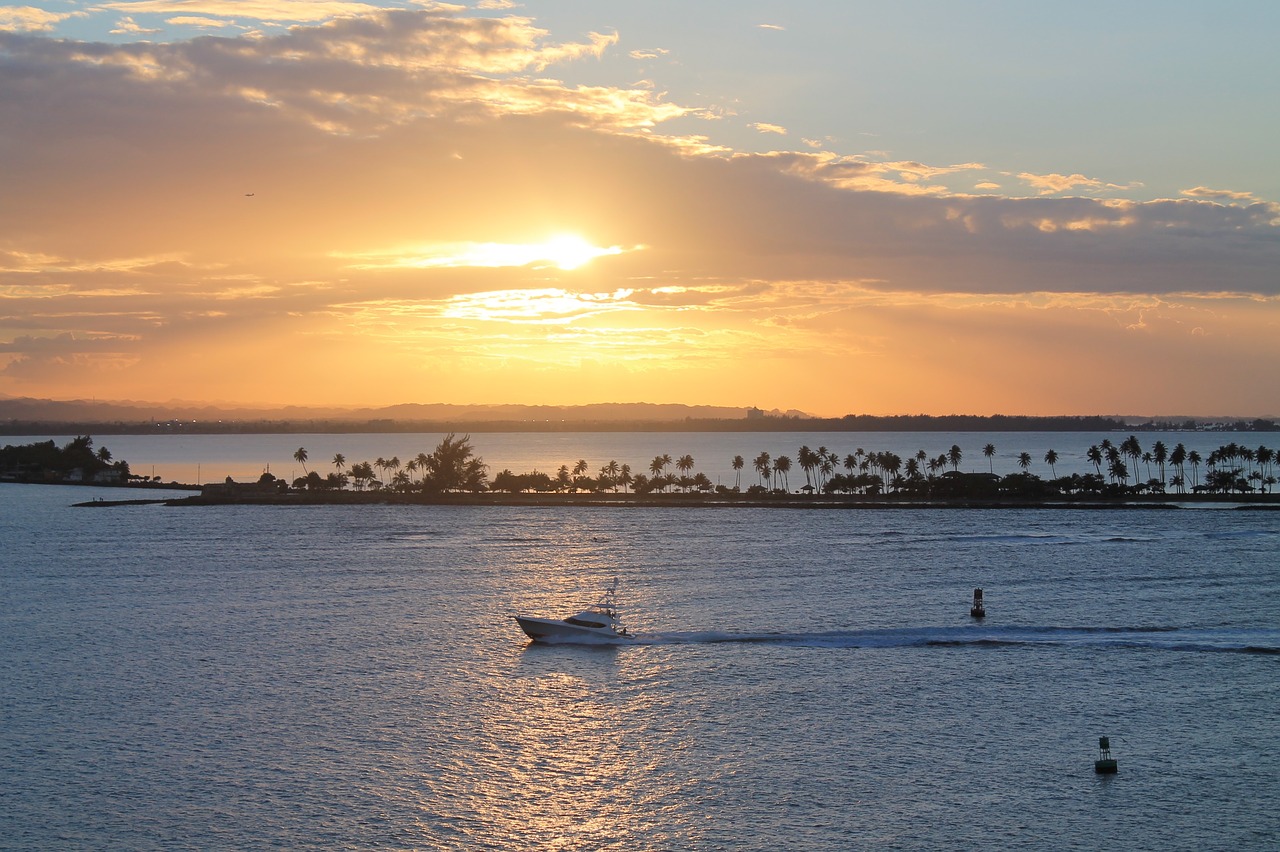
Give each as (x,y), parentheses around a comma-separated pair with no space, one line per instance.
(308,677)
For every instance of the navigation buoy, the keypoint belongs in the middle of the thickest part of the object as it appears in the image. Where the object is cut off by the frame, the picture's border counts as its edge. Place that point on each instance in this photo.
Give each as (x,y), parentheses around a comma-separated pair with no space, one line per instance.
(1105,764)
(977,610)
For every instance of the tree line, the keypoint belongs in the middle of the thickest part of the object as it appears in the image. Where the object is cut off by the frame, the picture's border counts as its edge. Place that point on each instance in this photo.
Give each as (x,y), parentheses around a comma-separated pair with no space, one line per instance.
(76,461)
(452,466)
(1123,468)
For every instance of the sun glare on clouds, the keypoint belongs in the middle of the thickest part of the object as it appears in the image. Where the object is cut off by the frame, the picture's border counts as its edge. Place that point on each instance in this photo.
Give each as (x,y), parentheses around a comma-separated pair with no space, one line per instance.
(563,251)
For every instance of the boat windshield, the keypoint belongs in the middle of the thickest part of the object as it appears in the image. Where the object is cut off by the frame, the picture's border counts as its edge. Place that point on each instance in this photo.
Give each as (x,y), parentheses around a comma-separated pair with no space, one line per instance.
(581,622)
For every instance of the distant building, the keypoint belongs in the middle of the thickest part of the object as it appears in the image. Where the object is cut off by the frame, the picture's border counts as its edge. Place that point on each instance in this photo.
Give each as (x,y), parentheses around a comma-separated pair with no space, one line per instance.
(754,413)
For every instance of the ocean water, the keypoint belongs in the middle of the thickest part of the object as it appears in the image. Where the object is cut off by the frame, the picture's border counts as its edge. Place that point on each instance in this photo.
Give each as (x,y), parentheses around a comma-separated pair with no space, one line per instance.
(349,677)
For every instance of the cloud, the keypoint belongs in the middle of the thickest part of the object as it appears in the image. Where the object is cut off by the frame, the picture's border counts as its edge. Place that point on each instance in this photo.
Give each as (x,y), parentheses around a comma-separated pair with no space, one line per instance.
(31,19)
(1218,194)
(128,26)
(1055,183)
(302,11)
(192,21)
(764,127)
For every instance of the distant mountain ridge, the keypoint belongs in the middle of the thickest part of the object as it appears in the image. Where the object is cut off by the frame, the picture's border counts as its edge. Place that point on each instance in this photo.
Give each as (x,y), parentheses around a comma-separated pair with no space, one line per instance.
(28,416)
(27,409)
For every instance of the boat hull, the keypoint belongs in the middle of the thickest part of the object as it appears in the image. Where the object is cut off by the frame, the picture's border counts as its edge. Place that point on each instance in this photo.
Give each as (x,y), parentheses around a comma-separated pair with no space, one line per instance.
(550,630)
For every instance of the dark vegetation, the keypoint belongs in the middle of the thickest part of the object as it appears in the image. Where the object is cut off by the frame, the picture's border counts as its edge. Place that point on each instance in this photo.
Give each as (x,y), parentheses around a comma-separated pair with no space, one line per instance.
(1123,470)
(77,461)
(1120,470)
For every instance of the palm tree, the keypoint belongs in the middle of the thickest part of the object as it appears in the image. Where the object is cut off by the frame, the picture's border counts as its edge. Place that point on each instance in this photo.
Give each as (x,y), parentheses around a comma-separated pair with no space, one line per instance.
(738,464)
(1133,449)
(580,468)
(1160,453)
(624,476)
(1094,454)
(656,466)
(424,464)
(954,456)
(1194,458)
(781,465)
(1178,458)
(891,463)
(1051,458)
(1266,457)
(685,464)
(826,467)
(301,458)
(1024,461)
(826,461)
(989,451)
(808,461)
(339,461)
(761,465)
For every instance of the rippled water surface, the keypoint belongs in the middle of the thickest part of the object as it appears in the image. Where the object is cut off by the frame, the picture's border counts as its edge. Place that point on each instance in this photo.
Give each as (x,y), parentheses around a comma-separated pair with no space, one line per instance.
(349,677)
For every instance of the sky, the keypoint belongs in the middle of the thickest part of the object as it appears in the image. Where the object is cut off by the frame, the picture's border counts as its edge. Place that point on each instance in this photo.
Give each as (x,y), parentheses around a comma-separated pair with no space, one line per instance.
(923,206)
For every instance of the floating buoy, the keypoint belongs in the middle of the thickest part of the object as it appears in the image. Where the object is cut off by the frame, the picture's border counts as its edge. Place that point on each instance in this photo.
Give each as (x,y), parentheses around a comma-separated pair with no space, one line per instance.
(1105,764)
(977,610)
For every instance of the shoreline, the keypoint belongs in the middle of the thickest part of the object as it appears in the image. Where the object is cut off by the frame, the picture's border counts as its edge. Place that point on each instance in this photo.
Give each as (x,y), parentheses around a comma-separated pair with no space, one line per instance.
(1269,502)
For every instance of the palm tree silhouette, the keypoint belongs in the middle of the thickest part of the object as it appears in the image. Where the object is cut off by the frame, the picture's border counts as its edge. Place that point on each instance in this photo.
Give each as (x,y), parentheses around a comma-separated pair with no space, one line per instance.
(685,464)
(1160,453)
(989,451)
(1178,458)
(807,461)
(738,464)
(1051,458)
(761,465)
(301,458)
(1094,454)
(954,456)
(781,465)
(1024,461)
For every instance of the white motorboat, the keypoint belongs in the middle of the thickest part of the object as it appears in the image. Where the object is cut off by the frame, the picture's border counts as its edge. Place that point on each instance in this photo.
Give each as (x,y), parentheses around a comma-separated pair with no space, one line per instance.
(597,623)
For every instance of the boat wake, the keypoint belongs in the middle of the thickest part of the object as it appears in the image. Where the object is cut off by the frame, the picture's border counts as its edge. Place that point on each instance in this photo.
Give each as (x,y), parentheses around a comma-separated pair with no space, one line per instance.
(1238,640)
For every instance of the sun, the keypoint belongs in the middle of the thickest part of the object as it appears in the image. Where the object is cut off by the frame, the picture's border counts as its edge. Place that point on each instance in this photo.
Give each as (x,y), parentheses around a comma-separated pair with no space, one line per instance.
(569,251)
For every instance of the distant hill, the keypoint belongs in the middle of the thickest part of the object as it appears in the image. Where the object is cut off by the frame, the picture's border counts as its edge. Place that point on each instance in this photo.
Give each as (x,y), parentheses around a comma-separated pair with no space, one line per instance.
(26,416)
(25,409)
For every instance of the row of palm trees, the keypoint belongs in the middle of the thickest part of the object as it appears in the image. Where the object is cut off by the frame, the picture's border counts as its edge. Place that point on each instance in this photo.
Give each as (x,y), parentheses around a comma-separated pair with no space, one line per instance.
(1231,468)
(871,472)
